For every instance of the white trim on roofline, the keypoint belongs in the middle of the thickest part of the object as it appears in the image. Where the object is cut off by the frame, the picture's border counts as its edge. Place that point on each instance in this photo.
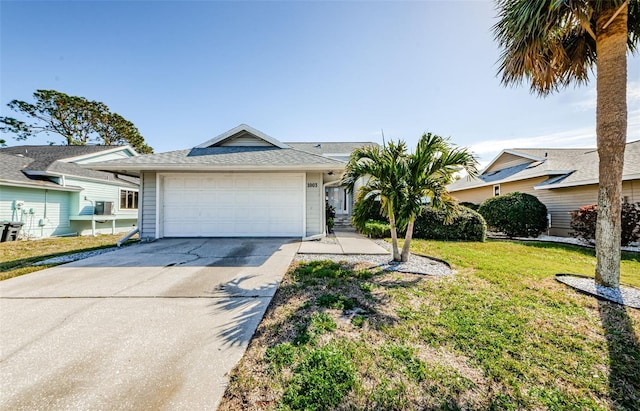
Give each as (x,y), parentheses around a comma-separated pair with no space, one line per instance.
(122,183)
(512,152)
(19,184)
(99,153)
(236,130)
(583,182)
(159,167)
(510,180)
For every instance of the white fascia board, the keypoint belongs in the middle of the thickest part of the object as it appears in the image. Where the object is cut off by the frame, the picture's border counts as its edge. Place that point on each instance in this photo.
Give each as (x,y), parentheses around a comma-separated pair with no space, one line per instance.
(74,177)
(9,183)
(583,182)
(236,130)
(99,153)
(204,167)
(510,180)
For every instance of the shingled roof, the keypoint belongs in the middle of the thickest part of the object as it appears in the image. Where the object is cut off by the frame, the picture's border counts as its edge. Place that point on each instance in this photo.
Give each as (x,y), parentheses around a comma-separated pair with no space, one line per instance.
(224,158)
(564,167)
(31,165)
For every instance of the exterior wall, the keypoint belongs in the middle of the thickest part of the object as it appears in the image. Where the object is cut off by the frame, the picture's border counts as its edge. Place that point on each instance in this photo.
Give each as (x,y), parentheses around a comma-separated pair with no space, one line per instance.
(105,157)
(83,203)
(50,215)
(103,227)
(147,206)
(559,201)
(314,206)
(507,160)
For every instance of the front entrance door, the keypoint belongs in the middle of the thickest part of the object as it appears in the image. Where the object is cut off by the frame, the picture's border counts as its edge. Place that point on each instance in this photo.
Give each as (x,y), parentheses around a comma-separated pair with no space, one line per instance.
(339,199)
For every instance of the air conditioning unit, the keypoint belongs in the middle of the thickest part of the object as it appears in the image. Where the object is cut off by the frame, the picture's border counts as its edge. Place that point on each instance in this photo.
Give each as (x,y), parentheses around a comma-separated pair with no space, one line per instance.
(103,208)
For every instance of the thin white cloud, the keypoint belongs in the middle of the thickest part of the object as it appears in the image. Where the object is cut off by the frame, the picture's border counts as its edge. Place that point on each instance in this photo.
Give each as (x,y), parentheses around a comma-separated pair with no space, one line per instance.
(588,100)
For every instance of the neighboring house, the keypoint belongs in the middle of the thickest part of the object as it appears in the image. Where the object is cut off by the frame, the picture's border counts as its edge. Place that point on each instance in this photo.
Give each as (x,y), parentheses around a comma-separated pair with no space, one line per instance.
(242,183)
(48,189)
(563,179)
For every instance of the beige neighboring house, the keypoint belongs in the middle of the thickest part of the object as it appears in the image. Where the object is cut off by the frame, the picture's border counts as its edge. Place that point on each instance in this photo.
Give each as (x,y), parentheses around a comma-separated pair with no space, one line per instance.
(242,183)
(563,179)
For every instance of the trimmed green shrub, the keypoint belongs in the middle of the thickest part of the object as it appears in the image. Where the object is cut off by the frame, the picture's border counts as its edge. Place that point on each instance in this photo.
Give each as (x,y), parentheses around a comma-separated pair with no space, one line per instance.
(466,225)
(376,229)
(472,206)
(365,210)
(583,222)
(515,214)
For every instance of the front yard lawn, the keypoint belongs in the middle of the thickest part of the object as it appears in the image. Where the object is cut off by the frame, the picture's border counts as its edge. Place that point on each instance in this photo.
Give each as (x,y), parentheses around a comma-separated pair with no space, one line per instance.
(500,334)
(17,257)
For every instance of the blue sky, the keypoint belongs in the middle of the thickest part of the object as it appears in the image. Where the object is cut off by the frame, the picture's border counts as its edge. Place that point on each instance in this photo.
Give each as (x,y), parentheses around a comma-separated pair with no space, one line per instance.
(185,71)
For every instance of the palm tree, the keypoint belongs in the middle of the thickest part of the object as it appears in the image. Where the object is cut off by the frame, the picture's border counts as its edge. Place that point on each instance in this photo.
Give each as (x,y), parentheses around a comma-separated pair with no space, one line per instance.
(404,182)
(428,171)
(383,168)
(553,44)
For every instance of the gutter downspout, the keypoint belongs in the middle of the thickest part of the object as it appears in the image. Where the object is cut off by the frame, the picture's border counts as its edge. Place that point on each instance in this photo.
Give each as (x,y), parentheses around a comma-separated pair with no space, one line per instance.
(128,236)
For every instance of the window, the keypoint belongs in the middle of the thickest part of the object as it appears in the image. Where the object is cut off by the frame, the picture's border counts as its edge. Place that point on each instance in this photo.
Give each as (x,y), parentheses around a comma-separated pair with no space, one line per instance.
(128,200)
(496,190)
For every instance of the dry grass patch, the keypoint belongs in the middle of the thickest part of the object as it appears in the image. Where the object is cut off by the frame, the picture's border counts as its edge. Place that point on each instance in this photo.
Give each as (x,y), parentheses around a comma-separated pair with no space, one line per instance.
(17,257)
(500,334)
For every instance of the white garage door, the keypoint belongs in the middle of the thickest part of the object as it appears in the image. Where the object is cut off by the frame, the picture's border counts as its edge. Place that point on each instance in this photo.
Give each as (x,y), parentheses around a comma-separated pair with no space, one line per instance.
(233,205)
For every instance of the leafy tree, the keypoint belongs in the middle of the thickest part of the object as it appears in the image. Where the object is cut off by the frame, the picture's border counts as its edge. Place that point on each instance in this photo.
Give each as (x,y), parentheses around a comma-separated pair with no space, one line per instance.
(404,182)
(553,44)
(77,120)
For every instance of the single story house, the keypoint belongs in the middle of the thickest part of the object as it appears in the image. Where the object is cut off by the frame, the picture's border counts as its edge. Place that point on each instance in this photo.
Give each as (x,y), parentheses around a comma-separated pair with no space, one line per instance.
(242,183)
(48,190)
(563,179)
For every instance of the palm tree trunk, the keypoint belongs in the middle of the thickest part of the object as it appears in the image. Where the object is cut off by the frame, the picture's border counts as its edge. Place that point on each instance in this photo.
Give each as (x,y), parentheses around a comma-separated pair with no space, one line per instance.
(611,130)
(394,232)
(407,239)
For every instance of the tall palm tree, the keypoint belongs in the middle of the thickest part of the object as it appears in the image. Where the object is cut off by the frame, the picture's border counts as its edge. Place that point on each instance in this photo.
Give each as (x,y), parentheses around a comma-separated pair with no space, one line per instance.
(383,169)
(554,43)
(428,171)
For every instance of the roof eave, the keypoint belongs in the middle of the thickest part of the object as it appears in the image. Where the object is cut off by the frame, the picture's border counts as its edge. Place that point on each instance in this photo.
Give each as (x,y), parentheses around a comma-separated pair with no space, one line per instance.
(583,182)
(205,167)
(510,180)
(236,130)
(11,183)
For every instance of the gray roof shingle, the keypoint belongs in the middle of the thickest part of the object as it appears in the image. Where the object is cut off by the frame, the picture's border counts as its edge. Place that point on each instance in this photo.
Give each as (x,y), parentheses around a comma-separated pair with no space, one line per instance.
(324,148)
(565,167)
(26,164)
(223,158)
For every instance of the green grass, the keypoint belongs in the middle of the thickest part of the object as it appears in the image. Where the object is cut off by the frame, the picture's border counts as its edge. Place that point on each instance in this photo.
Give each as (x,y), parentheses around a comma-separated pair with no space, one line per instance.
(500,334)
(17,257)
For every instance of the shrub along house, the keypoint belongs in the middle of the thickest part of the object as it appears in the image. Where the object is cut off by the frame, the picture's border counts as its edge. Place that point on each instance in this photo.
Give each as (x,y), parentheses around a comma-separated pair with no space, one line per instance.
(242,183)
(562,179)
(51,193)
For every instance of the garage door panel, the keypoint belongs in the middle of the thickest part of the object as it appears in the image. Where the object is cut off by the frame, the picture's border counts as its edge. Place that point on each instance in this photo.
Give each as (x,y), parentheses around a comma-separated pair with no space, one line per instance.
(233,205)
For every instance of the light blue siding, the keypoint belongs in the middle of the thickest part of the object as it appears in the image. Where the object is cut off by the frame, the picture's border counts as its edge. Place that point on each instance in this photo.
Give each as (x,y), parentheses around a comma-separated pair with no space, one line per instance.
(44,213)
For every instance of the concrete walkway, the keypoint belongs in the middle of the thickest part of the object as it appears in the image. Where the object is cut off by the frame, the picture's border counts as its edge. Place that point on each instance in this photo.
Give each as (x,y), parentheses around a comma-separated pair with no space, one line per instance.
(344,242)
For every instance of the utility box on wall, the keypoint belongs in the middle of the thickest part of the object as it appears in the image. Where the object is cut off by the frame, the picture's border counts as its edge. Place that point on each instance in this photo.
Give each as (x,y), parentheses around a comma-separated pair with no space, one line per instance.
(103,208)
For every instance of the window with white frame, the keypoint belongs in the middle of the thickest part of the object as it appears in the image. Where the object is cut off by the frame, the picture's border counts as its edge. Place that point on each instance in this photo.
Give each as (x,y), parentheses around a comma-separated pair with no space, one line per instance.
(496,190)
(128,200)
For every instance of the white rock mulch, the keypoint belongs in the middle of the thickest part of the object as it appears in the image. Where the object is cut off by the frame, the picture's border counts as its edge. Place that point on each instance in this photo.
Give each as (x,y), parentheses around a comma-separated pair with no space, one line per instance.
(628,296)
(416,265)
(75,257)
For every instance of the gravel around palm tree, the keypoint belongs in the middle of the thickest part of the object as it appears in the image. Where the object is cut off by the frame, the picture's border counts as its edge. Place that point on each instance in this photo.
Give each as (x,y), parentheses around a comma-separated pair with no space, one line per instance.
(407,182)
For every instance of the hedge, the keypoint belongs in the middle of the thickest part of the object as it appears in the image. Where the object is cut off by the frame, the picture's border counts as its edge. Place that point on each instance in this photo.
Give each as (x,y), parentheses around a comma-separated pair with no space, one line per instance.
(515,214)
(466,225)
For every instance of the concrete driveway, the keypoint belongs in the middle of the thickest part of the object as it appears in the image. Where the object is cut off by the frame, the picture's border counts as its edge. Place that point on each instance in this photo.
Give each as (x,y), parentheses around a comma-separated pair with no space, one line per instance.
(151,326)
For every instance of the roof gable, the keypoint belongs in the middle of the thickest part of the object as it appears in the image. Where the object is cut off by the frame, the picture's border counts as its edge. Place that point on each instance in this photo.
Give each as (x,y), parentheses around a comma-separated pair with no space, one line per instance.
(242,136)
(509,158)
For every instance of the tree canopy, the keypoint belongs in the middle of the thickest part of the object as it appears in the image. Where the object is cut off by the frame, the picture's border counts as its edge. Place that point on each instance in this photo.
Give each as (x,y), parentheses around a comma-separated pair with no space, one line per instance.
(77,120)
